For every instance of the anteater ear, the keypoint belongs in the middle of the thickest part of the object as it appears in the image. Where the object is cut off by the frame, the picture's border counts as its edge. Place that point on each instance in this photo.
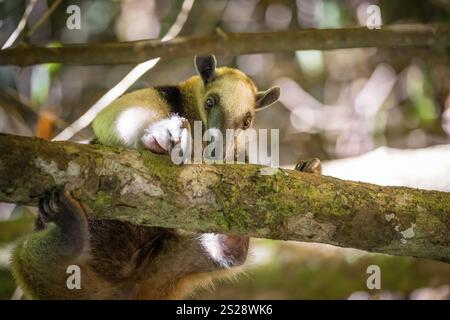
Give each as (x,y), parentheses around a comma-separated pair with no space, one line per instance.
(206,67)
(266,98)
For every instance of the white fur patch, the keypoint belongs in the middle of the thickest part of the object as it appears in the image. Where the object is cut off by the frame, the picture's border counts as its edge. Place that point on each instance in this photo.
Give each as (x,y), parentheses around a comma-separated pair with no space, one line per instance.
(131,123)
(211,243)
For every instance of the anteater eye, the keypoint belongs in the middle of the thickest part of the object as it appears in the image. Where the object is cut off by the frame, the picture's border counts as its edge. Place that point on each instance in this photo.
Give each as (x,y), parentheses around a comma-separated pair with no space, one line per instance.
(247,122)
(209,103)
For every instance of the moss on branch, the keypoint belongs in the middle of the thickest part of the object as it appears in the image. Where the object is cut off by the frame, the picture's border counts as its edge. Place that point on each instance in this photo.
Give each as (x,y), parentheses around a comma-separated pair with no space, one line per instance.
(147,189)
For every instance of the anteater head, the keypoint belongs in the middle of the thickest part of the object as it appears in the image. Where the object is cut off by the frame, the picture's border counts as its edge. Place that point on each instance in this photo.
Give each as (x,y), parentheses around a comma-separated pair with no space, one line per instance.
(229,97)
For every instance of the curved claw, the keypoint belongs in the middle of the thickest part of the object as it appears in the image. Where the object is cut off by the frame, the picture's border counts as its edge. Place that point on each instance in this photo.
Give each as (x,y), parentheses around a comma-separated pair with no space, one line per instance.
(309,166)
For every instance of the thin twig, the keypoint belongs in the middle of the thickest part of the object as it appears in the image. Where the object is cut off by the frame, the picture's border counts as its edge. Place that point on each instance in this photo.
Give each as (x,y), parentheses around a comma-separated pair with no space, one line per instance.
(22,23)
(17,295)
(47,14)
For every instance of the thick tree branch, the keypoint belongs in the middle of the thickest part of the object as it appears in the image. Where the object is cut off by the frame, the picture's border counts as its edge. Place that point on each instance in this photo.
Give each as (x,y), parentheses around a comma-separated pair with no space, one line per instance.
(146,189)
(434,35)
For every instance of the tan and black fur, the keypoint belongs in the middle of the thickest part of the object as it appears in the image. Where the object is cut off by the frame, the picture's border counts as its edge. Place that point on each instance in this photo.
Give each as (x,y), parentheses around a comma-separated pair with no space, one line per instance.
(119,260)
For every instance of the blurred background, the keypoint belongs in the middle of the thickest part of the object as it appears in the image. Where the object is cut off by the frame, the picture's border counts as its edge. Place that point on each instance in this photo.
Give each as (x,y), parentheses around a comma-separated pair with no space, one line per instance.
(355,109)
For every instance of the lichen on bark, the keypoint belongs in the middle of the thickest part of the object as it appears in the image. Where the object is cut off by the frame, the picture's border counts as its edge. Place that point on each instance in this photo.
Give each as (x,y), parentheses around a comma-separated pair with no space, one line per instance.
(147,189)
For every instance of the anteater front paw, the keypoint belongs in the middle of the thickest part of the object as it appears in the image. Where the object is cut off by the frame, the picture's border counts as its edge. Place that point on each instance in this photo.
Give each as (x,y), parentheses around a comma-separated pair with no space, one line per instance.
(58,206)
(167,134)
(309,166)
